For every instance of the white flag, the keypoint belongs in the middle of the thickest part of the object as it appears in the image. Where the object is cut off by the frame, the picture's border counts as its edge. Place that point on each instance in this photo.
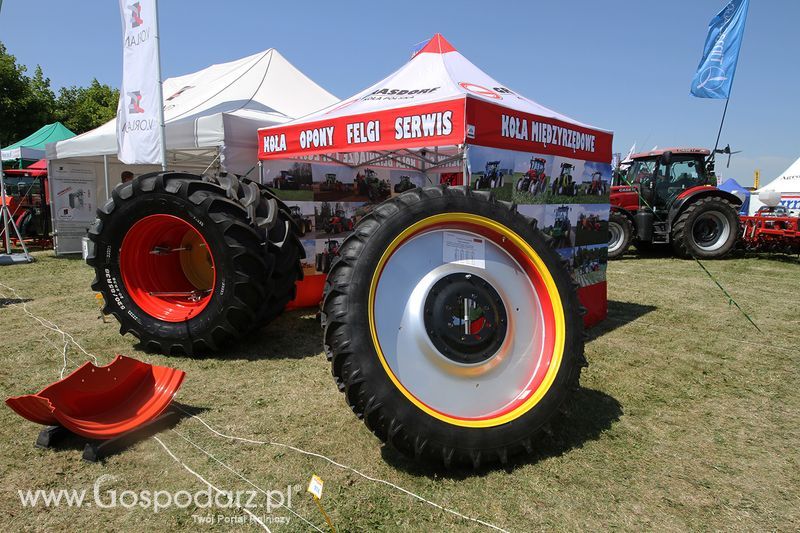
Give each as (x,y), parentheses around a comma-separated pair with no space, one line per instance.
(139,110)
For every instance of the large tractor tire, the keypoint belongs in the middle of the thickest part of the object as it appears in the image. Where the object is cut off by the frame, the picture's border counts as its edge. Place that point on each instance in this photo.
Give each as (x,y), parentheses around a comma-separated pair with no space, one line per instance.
(620,234)
(707,229)
(453,328)
(187,263)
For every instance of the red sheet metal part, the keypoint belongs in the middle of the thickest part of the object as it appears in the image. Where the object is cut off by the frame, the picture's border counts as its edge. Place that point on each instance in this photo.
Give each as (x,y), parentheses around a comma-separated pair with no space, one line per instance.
(103,402)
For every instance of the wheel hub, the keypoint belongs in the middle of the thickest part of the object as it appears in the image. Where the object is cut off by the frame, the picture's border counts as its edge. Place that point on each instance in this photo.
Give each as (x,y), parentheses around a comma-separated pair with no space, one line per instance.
(465,318)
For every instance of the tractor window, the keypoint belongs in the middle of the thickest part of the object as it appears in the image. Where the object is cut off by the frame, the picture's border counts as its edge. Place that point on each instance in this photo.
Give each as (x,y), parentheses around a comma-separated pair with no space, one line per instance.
(641,171)
(685,174)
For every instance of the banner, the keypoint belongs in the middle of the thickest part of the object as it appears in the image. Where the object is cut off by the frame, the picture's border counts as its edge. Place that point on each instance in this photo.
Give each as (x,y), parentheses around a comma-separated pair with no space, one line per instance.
(715,72)
(138,113)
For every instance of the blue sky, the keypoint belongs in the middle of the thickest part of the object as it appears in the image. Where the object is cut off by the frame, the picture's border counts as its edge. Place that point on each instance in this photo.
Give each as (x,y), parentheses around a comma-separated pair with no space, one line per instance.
(623,65)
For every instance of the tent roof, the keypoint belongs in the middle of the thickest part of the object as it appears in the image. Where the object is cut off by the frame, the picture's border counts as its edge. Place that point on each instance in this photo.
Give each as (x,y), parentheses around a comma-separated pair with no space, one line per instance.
(788,181)
(38,168)
(219,106)
(436,79)
(32,146)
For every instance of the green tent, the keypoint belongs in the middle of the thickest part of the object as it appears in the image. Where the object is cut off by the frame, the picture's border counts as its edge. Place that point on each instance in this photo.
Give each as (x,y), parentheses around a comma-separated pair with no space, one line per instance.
(31,148)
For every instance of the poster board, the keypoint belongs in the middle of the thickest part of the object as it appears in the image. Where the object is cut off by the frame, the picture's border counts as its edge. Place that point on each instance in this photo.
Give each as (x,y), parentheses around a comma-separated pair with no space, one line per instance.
(73,201)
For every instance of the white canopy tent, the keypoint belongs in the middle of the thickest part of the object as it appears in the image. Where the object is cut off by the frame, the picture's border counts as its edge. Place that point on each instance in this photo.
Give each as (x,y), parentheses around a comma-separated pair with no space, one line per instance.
(213,114)
(212,117)
(787,184)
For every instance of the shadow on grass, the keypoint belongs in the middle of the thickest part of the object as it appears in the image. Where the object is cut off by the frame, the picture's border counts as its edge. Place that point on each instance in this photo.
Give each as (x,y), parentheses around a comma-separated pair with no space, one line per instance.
(619,314)
(65,441)
(589,413)
(5,302)
(293,335)
(792,259)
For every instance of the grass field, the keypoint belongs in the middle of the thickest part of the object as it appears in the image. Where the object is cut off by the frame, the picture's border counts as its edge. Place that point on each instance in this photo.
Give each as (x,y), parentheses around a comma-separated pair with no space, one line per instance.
(688,419)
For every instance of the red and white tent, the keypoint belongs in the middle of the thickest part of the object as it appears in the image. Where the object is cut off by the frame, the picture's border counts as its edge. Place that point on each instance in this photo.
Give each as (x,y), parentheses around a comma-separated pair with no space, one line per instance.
(438,98)
(424,117)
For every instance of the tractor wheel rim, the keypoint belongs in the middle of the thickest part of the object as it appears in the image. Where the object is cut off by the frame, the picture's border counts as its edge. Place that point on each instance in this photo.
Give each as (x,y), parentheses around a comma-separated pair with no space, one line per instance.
(711,231)
(476,388)
(167,268)
(614,236)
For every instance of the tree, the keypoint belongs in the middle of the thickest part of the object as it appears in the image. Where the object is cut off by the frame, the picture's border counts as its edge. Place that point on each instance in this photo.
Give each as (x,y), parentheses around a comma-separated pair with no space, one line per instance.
(84,108)
(25,103)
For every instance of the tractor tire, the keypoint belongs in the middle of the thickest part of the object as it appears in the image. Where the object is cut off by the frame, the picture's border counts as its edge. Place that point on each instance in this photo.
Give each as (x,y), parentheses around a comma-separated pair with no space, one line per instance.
(203,262)
(458,400)
(620,234)
(707,229)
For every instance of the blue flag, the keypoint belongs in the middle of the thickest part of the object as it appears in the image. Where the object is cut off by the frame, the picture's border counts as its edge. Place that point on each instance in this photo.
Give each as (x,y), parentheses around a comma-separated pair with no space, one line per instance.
(715,72)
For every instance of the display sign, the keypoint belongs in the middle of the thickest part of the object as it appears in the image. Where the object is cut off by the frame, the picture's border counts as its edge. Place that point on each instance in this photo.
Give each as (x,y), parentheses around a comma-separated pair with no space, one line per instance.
(73,204)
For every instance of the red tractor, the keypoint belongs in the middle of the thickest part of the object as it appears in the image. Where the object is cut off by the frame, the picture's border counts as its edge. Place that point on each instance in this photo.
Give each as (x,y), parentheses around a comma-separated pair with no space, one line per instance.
(534,180)
(27,197)
(325,259)
(339,223)
(670,197)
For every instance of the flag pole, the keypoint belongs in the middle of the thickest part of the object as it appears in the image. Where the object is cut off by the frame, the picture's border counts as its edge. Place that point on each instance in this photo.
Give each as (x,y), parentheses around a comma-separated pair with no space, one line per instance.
(719,133)
(160,97)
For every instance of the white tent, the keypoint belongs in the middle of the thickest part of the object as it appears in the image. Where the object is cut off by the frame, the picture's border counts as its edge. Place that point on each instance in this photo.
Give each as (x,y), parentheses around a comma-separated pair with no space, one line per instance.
(212,117)
(215,112)
(787,184)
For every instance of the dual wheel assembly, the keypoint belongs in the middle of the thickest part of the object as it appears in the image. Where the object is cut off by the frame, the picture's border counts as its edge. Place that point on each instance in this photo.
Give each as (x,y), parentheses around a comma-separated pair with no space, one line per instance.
(452,327)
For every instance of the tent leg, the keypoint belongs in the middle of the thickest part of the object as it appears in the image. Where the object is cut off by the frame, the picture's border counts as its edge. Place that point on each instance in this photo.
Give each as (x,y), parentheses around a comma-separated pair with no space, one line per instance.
(105,175)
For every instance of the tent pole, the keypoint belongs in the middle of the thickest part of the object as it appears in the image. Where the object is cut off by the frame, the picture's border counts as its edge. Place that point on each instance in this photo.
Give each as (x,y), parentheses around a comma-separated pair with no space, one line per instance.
(261,172)
(105,175)
(6,233)
(160,97)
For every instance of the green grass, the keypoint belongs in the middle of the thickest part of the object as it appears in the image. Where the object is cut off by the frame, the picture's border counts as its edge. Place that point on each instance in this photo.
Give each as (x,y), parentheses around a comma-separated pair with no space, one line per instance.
(688,417)
(292,195)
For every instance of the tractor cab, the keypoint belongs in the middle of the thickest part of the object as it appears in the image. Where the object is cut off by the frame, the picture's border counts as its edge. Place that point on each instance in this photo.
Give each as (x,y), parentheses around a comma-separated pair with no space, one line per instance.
(491,168)
(661,176)
(537,165)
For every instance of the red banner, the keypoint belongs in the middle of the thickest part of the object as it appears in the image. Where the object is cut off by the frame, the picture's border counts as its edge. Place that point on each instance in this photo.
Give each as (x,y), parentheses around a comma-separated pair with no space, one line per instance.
(436,124)
(496,126)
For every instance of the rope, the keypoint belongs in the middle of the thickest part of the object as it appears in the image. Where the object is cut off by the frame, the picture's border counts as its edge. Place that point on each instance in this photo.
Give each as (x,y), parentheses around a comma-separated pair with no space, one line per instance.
(731,301)
(344,467)
(218,491)
(52,326)
(269,495)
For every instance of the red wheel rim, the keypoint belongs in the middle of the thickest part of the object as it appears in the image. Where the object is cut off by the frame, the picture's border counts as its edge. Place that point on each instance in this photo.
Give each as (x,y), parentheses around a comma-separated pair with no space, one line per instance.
(167,268)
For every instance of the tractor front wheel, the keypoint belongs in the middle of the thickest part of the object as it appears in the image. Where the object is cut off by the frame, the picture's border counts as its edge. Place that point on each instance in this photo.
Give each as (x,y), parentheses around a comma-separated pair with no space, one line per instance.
(620,233)
(453,328)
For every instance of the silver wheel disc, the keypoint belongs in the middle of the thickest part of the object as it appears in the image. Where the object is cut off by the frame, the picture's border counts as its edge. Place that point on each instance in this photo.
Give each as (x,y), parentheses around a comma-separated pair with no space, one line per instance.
(615,236)
(456,389)
(710,231)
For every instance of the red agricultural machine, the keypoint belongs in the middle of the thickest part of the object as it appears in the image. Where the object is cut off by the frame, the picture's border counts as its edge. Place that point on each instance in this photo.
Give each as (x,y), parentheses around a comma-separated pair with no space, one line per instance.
(325,258)
(771,229)
(339,222)
(534,180)
(670,197)
(27,194)
(187,263)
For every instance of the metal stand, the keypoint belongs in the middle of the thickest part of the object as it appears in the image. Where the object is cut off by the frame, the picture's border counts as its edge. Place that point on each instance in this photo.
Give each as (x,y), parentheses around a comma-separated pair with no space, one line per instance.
(8,258)
(95,451)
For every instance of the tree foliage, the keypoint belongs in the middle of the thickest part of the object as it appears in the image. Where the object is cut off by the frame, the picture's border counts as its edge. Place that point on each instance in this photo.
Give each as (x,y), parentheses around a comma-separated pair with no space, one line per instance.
(28,102)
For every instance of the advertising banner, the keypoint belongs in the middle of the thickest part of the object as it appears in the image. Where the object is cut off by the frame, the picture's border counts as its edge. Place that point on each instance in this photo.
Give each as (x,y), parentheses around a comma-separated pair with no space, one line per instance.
(568,197)
(138,112)
(328,194)
(73,204)
(439,123)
